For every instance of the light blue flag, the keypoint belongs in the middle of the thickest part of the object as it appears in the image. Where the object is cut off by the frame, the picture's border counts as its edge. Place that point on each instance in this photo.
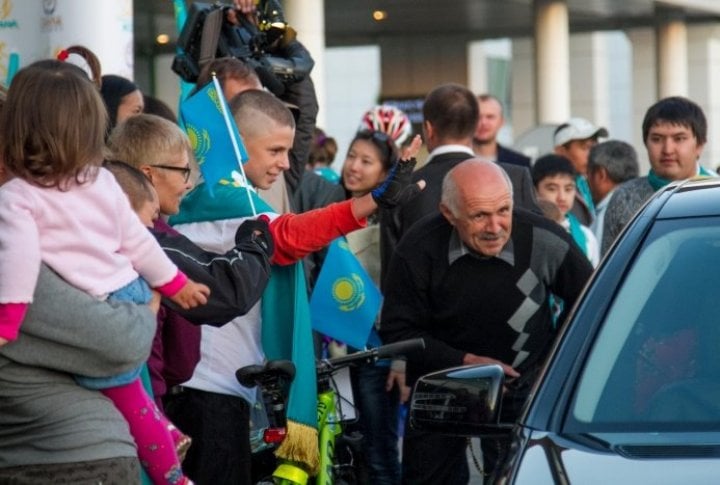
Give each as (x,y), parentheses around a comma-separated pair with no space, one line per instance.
(345,301)
(180,10)
(213,134)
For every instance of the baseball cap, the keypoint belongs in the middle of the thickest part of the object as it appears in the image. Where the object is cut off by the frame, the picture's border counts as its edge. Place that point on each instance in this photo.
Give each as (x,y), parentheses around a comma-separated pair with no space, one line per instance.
(577,129)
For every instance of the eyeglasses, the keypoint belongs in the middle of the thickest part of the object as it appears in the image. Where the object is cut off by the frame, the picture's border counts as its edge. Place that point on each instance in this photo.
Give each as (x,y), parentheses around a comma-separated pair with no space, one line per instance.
(184,170)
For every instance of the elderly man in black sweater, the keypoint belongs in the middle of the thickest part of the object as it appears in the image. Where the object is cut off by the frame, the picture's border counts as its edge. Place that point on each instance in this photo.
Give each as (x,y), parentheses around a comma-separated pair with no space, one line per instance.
(475,282)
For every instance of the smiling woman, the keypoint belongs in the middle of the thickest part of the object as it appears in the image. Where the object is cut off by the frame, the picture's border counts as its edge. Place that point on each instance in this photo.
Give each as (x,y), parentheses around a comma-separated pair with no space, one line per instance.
(122,97)
(370,156)
(186,171)
(148,137)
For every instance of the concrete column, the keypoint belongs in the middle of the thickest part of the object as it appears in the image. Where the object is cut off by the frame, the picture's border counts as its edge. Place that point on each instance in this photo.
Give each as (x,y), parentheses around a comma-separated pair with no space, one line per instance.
(477,68)
(307,17)
(523,82)
(37,30)
(552,88)
(109,35)
(672,53)
(703,77)
(644,85)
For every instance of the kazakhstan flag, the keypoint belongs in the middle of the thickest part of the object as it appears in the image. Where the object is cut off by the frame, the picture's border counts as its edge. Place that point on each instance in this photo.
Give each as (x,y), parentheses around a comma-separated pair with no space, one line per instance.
(213,134)
(345,301)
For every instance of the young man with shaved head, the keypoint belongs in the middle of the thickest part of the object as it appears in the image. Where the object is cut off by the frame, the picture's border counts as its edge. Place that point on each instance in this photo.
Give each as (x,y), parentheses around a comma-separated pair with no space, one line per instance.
(212,407)
(474,281)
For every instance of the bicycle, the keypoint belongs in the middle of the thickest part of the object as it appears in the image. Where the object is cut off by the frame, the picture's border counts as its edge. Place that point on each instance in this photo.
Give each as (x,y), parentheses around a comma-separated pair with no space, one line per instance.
(274,377)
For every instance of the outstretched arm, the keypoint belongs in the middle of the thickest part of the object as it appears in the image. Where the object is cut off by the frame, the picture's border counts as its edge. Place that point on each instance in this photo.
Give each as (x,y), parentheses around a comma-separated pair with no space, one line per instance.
(297,235)
(236,278)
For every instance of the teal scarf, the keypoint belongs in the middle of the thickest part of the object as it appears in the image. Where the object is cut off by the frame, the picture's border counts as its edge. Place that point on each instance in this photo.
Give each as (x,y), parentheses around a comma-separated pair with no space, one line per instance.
(657,182)
(286,330)
(584,190)
(577,233)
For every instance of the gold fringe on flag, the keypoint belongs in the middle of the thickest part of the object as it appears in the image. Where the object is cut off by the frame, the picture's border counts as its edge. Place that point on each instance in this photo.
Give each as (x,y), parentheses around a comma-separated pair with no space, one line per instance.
(301,445)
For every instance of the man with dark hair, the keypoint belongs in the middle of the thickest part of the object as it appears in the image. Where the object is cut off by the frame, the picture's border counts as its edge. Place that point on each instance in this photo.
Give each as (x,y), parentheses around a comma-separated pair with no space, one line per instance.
(474,282)
(450,117)
(674,133)
(610,163)
(485,143)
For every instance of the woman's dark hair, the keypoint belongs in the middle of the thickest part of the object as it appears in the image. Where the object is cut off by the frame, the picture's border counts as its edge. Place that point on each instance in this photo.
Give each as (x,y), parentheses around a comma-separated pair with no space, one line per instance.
(383,142)
(90,58)
(113,89)
(323,148)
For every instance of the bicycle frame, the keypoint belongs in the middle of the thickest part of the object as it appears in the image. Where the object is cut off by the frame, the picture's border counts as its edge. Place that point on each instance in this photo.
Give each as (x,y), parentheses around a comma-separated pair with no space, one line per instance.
(329,421)
(329,427)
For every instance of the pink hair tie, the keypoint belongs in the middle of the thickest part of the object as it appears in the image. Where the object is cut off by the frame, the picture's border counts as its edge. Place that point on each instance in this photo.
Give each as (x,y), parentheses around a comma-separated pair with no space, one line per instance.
(62,55)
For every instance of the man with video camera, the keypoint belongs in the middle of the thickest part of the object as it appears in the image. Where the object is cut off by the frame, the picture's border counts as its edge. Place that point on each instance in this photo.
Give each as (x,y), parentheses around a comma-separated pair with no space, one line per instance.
(250,46)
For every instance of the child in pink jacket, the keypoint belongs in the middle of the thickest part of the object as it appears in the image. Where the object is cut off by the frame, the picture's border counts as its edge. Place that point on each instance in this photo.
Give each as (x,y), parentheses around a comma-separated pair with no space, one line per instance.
(61,208)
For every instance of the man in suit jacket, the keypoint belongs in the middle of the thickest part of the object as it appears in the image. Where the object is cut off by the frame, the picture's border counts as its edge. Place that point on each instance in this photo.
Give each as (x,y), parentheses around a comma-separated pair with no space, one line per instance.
(450,117)
(485,143)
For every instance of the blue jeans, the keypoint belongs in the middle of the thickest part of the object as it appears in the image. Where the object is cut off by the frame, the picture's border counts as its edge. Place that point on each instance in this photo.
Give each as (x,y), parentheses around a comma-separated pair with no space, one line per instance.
(378,422)
(137,291)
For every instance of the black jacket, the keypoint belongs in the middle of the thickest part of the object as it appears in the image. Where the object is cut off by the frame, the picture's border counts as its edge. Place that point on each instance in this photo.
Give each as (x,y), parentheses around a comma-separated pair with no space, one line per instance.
(506,155)
(483,305)
(393,224)
(302,95)
(236,279)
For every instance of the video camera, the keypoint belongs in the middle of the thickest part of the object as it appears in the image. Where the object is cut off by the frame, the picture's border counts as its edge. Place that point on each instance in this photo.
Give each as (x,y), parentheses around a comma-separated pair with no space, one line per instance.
(268,46)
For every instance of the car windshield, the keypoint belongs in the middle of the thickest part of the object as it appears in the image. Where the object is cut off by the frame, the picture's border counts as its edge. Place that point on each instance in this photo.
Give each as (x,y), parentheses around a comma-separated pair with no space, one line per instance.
(655,364)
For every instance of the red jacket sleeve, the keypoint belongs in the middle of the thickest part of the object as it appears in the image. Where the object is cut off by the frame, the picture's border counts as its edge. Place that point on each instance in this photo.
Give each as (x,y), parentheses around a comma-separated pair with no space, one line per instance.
(297,235)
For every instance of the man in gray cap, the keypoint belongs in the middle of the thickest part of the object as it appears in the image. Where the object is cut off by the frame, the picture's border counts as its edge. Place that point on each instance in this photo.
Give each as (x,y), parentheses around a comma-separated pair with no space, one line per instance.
(573,140)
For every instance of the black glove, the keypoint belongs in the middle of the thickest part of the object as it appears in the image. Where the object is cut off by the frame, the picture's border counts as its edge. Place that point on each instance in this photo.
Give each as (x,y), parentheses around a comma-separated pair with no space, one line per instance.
(256,231)
(398,187)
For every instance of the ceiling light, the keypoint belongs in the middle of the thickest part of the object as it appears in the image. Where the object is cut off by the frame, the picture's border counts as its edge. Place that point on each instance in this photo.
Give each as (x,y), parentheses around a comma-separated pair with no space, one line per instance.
(379,15)
(162,39)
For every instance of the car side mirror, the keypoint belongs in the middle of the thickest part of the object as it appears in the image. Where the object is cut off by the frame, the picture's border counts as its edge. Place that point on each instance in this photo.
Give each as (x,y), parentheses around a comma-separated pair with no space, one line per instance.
(461,401)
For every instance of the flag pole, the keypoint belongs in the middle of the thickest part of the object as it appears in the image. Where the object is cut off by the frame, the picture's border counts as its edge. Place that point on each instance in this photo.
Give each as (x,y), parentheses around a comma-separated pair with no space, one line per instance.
(236,148)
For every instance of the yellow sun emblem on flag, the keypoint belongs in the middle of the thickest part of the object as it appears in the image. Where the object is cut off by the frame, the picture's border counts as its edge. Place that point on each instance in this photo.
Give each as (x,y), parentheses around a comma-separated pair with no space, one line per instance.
(349,292)
(199,141)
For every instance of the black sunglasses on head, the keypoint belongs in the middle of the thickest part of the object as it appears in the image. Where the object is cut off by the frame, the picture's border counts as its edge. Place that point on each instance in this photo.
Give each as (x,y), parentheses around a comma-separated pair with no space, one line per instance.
(380,139)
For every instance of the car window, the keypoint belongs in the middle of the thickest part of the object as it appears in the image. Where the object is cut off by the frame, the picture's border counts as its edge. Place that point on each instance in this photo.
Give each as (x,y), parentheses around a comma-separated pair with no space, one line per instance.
(656,360)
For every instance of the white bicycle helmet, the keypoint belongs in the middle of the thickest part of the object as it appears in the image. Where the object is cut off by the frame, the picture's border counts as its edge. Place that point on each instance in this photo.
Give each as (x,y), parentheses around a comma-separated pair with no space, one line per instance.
(390,120)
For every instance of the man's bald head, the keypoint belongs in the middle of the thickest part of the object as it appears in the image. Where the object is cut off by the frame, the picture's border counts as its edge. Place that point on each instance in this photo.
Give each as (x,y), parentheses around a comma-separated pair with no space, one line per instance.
(477,201)
(472,176)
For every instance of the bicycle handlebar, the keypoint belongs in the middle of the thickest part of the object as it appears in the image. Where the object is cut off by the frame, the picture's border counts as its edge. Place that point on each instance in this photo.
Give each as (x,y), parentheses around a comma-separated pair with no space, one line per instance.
(328,366)
(400,348)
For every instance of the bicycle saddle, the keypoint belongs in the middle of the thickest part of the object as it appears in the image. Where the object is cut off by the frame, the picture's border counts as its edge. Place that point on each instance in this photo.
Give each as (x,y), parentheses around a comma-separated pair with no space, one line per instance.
(261,375)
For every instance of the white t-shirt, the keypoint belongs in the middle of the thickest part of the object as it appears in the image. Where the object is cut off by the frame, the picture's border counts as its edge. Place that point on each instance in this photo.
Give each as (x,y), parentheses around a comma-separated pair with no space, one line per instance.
(223,350)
